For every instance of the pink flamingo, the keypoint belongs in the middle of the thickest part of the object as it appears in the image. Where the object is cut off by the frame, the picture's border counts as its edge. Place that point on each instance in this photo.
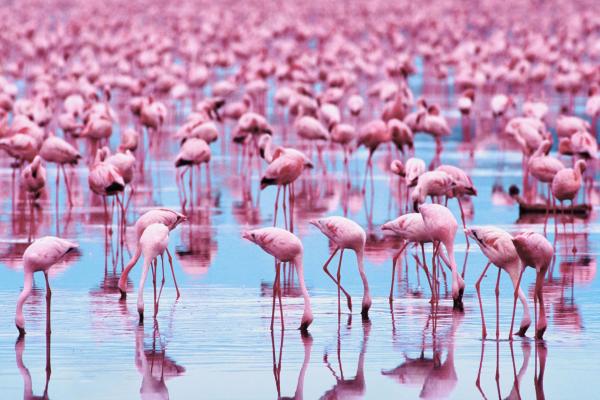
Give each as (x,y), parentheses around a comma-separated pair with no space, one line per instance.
(165,216)
(498,247)
(346,234)
(153,243)
(58,151)
(433,184)
(193,153)
(566,184)
(592,106)
(442,226)
(401,135)
(285,167)
(411,228)
(371,135)
(285,247)
(33,180)
(537,252)
(40,255)
(544,168)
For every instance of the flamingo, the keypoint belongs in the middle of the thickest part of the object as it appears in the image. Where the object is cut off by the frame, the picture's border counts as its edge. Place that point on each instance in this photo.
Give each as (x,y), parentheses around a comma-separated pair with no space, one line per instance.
(346,234)
(442,226)
(371,135)
(566,184)
(537,252)
(592,106)
(165,216)
(285,167)
(285,247)
(411,228)
(153,243)
(40,255)
(498,247)
(401,135)
(544,168)
(194,152)
(431,183)
(58,151)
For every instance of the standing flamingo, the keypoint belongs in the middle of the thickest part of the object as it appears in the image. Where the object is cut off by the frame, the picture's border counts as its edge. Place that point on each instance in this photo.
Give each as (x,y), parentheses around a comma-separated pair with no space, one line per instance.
(498,247)
(57,150)
(42,254)
(371,135)
(285,167)
(194,152)
(566,184)
(537,252)
(346,234)
(442,226)
(285,247)
(544,168)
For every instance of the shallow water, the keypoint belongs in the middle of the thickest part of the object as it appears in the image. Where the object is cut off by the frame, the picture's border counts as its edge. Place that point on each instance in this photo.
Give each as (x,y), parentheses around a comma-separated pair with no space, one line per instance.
(215,342)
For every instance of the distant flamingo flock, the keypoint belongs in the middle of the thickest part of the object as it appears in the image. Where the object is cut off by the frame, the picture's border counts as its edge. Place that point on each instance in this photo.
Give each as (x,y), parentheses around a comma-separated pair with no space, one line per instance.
(289,96)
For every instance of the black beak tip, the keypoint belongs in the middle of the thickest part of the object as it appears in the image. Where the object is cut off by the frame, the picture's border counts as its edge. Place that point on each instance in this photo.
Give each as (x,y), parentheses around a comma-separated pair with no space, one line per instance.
(21,332)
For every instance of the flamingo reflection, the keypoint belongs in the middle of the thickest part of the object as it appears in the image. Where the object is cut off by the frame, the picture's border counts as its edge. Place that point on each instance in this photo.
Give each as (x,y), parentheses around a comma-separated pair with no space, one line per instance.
(346,388)
(154,365)
(307,342)
(435,377)
(517,388)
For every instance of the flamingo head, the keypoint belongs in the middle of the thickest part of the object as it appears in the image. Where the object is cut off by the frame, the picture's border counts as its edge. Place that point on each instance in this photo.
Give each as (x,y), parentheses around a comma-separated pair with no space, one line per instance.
(251,236)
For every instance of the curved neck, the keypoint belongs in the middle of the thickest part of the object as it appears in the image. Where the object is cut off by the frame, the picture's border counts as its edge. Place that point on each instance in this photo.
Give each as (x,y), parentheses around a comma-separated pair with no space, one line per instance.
(300,271)
(27,286)
(268,151)
(360,253)
(23,370)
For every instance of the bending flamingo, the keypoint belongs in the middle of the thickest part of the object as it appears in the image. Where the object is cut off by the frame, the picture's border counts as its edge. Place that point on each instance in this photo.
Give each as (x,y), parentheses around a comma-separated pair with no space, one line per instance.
(165,216)
(285,247)
(537,252)
(346,234)
(498,247)
(42,254)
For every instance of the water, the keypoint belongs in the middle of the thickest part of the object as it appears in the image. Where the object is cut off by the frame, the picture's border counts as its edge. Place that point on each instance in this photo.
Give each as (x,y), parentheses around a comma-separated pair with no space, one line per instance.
(215,342)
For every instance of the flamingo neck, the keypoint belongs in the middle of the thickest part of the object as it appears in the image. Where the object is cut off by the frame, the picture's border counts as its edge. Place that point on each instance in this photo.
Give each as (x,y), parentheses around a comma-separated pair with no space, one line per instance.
(307,316)
(27,287)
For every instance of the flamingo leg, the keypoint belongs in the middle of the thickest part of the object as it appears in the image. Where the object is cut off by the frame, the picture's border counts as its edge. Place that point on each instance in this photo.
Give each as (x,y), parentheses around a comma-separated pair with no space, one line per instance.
(394,260)
(339,280)
(173,272)
(512,321)
(348,298)
(478,289)
(539,293)
(498,305)
(276,206)
(62,167)
(48,300)
(279,296)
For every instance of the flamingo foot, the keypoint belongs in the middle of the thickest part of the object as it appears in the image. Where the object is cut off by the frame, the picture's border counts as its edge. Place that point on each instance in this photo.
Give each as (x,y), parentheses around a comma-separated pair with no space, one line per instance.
(523,330)
(539,333)
(303,328)
(21,332)
(458,304)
